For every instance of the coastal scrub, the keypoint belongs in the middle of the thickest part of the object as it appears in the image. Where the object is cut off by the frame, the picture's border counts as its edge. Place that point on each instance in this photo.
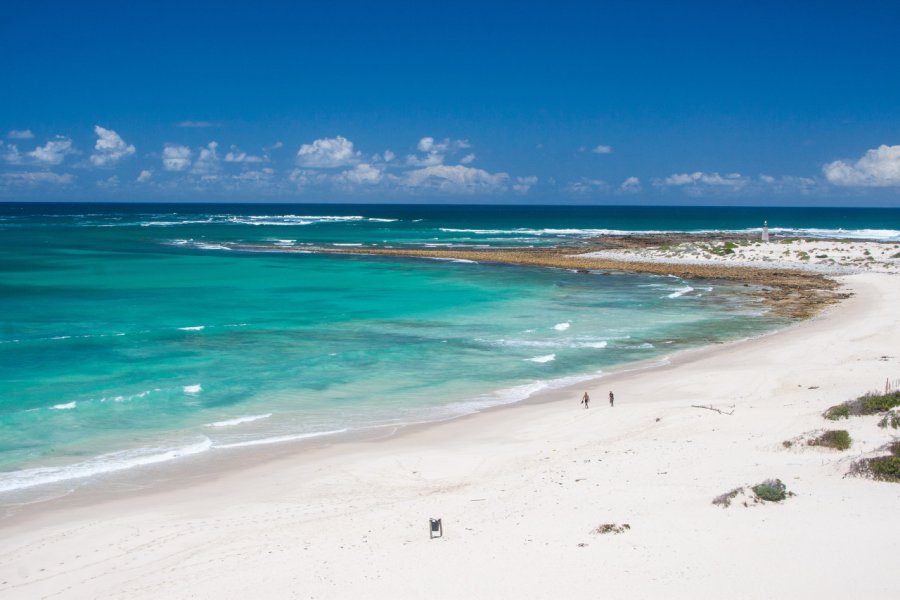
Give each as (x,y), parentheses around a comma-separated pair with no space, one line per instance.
(839,439)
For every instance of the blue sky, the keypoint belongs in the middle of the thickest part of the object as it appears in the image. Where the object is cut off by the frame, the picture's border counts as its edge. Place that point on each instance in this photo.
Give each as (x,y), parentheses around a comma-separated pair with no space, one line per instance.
(563,102)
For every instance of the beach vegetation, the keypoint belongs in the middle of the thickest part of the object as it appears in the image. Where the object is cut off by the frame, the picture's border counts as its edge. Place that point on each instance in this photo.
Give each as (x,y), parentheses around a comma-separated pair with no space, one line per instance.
(821,256)
(882,468)
(868,404)
(724,500)
(891,419)
(839,439)
(895,255)
(612,528)
(841,411)
(770,490)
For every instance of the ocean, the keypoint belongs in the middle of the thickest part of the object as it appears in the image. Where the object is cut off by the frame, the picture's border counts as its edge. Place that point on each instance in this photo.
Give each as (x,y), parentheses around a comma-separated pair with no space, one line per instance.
(130,337)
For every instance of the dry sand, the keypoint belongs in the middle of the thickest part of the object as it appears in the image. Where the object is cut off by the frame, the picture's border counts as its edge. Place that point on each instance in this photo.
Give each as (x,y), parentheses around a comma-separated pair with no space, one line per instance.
(521,490)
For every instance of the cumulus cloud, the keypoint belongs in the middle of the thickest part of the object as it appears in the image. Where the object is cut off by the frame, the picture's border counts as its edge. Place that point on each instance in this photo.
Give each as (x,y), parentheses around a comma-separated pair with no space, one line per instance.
(176,158)
(602,149)
(362,173)
(523,184)
(53,152)
(435,152)
(327,153)
(586,185)
(37,178)
(12,154)
(20,134)
(389,156)
(699,178)
(631,185)
(467,159)
(236,156)
(110,147)
(454,179)
(207,161)
(879,167)
(145,176)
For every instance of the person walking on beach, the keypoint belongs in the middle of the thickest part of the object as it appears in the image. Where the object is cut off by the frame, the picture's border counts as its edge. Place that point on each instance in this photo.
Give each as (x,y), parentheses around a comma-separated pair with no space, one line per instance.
(611,398)
(585,399)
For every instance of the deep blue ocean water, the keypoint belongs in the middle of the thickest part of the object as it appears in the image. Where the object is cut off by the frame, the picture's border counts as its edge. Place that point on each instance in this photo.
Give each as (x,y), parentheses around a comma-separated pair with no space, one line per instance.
(130,336)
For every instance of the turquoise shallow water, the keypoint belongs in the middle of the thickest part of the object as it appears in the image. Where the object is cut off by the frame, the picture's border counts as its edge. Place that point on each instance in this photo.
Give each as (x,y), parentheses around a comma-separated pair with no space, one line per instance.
(129,337)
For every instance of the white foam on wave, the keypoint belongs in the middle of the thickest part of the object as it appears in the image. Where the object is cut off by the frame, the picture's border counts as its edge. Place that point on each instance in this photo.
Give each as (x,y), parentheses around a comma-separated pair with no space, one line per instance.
(540,232)
(453,260)
(192,389)
(542,359)
(279,439)
(66,406)
(239,420)
(105,463)
(562,326)
(681,292)
(193,328)
(346,244)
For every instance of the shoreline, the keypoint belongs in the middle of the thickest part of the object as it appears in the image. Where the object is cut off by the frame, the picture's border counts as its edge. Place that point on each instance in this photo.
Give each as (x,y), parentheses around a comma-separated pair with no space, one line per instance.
(788,292)
(521,488)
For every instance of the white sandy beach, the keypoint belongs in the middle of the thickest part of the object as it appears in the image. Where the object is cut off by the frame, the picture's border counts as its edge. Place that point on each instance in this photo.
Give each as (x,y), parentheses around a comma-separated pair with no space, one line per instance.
(521,490)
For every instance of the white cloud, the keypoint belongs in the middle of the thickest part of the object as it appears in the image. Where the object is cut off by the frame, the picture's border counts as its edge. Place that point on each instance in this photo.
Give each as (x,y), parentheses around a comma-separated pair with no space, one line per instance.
(435,152)
(110,147)
(259,176)
(306,177)
(468,158)
(144,177)
(587,186)
(236,156)
(110,183)
(37,178)
(698,178)
(631,185)
(602,149)
(207,161)
(879,167)
(197,124)
(53,152)
(176,158)
(389,156)
(20,134)
(274,146)
(523,184)
(454,179)
(12,154)
(327,153)
(362,173)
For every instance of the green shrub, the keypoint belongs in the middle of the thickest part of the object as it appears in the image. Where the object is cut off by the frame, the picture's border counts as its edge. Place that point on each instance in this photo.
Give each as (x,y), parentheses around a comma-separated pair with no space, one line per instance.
(841,411)
(839,439)
(892,420)
(771,490)
(869,404)
(876,403)
(885,468)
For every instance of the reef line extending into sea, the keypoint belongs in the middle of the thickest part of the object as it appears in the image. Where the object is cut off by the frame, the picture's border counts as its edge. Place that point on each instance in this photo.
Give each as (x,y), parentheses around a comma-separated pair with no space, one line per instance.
(791,293)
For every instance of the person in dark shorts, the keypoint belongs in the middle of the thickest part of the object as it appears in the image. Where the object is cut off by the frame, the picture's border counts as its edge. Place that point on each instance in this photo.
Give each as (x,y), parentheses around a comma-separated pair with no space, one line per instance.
(612,398)
(585,399)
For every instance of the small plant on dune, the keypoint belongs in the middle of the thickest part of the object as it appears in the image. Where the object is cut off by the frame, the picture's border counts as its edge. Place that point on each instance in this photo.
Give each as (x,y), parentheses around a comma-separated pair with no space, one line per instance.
(868,404)
(724,500)
(770,490)
(891,419)
(612,528)
(876,403)
(882,468)
(841,411)
(895,255)
(839,439)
